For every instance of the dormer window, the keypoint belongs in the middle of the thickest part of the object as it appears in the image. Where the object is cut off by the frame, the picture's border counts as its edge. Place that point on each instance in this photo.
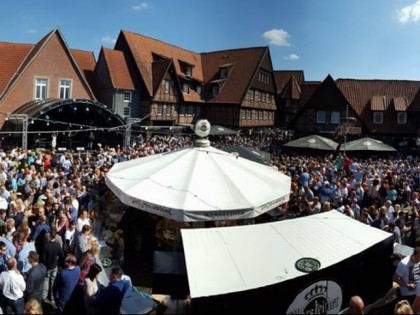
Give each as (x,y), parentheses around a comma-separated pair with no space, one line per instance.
(199,89)
(402,118)
(188,71)
(185,88)
(223,73)
(215,90)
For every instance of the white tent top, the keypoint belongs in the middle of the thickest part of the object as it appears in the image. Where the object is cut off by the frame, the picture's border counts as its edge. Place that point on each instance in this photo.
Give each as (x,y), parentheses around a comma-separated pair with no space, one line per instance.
(199,184)
(233,259)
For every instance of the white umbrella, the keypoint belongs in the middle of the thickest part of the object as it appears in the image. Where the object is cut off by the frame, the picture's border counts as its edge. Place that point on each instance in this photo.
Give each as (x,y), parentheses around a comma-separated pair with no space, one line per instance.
(367,144)
(199,184)
(313,142)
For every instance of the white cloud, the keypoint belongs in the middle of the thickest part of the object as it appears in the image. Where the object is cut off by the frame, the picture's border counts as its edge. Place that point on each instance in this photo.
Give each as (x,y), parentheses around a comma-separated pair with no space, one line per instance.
(141,6)
(410,13)
(291,57)
(31,31)
(278,37)
(108,40)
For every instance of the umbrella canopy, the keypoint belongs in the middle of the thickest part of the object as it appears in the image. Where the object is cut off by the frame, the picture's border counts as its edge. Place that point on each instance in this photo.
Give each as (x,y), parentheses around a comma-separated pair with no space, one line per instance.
(250,153)
(313,142)
(199,184)
(367,144)
(220,130)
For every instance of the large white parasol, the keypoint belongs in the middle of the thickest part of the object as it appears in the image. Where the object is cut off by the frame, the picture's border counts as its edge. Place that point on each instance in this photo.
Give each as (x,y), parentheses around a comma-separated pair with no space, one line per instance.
(199,183)
(367,144)
(313,142)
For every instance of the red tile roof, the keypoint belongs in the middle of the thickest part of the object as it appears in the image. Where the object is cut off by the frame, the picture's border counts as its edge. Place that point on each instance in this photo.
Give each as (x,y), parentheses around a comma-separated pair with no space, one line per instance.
(86,62)
(143,48)
(118,69)
(11,58)
(282,77)
(245,63)
(359,93)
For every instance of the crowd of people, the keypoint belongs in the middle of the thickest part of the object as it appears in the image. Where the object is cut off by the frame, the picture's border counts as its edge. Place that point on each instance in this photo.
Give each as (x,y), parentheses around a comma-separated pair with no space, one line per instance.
(51,203)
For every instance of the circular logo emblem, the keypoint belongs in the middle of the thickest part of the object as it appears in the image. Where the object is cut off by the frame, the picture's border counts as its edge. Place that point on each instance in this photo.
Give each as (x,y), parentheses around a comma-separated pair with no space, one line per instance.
(321,297)
(307,265)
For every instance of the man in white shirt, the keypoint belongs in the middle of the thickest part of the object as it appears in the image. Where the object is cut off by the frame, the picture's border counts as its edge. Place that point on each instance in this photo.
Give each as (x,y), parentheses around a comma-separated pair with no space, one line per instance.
(82,220)
(12,285)
(407,275)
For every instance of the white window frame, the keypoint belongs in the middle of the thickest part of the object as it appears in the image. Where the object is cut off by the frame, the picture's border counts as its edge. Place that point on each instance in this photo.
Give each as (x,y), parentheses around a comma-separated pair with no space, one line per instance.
(127,96)
(378,118)
(402,118)
(41,88)
(188,71)
(126,111)
(243,114)
(321,117)
(190,110)
(167,84)
(181,110)
(168,110)
(64,90)
(251,94)
(223,73)
(248,114)
(199,89)
(215,90)
(186,88)
(335,118)
(159,109)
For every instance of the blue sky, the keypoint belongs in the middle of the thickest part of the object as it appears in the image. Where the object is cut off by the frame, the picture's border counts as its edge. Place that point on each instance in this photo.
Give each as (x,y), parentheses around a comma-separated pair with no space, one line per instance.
(361,39)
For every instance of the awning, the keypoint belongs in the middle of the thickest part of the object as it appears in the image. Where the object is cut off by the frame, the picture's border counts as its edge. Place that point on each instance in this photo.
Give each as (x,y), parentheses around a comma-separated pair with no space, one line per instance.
(234,259)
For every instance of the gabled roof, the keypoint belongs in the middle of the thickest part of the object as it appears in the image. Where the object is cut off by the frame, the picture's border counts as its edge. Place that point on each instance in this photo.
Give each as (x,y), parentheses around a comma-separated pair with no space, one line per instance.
(282,77)
(240,75)
(291,90)
(119,72)
(143,48)
(307,90)
(360,92)
(159,69)
(86,62)
(11,58)
(17,57)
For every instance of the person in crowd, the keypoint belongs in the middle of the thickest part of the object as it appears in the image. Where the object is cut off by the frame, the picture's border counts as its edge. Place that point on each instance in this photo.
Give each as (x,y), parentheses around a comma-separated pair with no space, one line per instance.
(32,306)
(3,256)
(53,253)
(82,241)
(22,254)
(66,282)
(407,275)
(82,220)
(109,299)
(35,278)
(70,238)
(403,307)
(12,286)
(91,288)
(356,306)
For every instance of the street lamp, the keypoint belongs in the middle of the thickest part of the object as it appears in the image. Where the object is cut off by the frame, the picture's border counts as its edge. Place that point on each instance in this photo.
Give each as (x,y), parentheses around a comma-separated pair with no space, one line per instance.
(24,119)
